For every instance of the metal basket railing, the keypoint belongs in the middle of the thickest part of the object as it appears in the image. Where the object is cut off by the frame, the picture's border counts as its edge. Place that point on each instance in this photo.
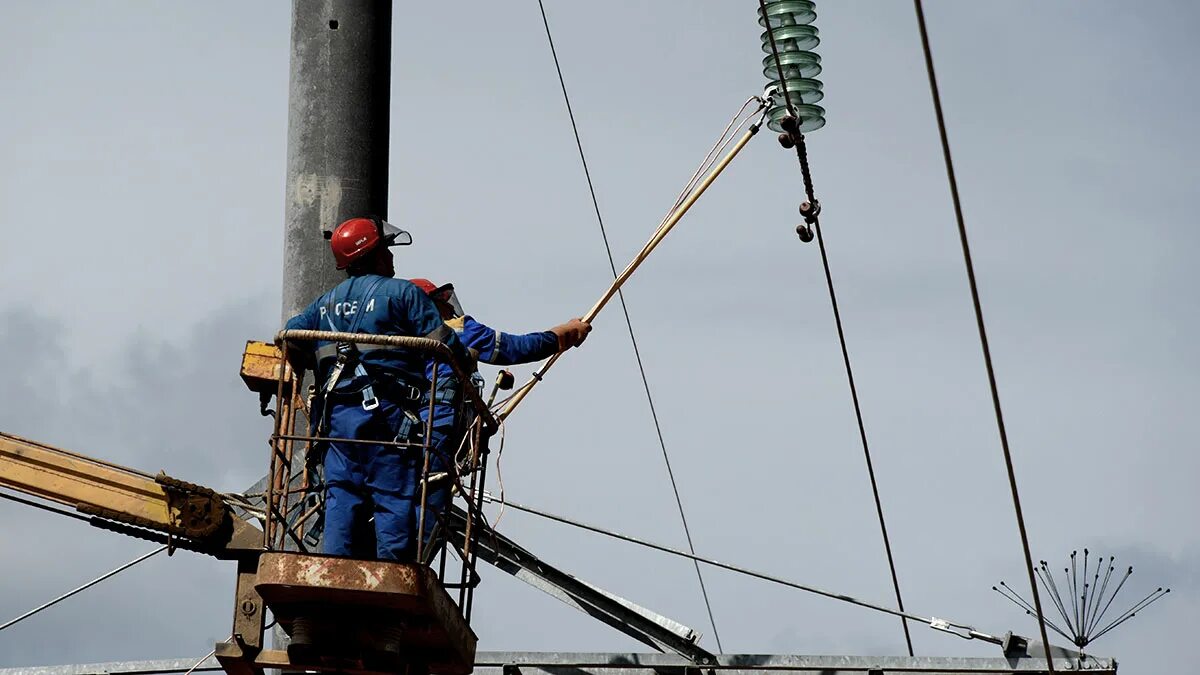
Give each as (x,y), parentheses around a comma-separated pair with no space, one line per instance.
(294,494)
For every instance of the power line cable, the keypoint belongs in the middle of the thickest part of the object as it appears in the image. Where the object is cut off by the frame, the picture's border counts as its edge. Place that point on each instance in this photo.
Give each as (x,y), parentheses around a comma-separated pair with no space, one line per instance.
(983,339)
(964,631)
(629,323)
(84,587)
(44,507)
(811,214)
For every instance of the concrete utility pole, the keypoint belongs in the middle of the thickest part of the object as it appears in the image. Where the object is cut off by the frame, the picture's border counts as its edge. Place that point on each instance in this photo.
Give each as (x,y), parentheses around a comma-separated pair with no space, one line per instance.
(338,106)
(339,100)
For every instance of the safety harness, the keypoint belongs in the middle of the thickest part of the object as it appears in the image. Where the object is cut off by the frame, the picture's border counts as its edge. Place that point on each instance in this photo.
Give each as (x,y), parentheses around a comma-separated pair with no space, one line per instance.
(349,360)
(348,354)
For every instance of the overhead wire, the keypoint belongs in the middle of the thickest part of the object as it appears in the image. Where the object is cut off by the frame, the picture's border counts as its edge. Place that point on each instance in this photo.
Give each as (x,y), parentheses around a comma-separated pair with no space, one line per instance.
(44,507)
(84,587)
(965,631)
(656,238)
(813,217)
(629,322)
(983,339)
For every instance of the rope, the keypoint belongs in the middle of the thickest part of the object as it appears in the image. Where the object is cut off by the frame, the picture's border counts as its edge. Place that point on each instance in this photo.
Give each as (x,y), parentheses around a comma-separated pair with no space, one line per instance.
(983,340)
(806,174)
(500,476)
(629,323)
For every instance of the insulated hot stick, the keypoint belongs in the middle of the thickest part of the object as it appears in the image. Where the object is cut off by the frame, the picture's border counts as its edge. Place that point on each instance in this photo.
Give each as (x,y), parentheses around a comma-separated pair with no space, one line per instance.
(657,238)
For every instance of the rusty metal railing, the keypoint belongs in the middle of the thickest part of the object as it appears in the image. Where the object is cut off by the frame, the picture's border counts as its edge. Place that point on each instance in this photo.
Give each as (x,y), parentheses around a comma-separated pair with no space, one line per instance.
(294,495)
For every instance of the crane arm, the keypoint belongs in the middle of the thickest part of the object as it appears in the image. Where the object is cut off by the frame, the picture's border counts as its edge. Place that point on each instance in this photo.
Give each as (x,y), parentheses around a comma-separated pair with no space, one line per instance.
(193,514)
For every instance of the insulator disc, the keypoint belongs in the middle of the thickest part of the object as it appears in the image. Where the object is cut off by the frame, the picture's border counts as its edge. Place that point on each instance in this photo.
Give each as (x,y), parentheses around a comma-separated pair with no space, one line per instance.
(812,117)
(805,65)
(788,12)
(801,90)
(792,39)
(788,32)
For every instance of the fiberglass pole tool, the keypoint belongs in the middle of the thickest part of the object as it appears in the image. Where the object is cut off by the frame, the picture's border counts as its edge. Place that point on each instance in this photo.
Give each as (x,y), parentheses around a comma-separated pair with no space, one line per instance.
(659,234)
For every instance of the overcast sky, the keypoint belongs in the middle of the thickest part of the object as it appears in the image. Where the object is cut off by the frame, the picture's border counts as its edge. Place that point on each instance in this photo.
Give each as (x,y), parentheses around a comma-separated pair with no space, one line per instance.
(142,198)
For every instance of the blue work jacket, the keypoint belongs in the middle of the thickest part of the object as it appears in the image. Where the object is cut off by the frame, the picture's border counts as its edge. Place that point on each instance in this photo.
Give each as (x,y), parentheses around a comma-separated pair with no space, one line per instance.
(495,348)
(379,305)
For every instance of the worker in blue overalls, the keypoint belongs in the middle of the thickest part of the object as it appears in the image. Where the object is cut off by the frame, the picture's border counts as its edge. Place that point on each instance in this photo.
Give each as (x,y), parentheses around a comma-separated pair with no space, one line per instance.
(488,346)
(371,392)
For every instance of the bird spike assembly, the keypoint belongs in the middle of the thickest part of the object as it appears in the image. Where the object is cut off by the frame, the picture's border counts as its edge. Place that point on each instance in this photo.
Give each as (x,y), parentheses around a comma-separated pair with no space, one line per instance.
(1083,604)
(788,24)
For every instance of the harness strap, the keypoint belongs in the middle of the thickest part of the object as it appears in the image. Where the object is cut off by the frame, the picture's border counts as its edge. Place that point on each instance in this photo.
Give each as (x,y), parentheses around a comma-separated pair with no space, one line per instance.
(349,351)
(330,350)
(369,400)
(442,333)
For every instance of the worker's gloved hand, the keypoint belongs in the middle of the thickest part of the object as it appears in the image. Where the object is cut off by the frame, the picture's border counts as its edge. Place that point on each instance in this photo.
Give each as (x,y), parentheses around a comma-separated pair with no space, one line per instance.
(571,333)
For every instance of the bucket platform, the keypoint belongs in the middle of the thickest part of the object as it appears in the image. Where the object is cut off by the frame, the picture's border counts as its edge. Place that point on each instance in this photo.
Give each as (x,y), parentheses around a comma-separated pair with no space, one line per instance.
(359,616)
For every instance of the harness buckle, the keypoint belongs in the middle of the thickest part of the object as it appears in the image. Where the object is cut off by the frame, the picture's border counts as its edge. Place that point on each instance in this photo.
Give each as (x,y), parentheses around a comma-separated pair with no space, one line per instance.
(370,400)
(335,374)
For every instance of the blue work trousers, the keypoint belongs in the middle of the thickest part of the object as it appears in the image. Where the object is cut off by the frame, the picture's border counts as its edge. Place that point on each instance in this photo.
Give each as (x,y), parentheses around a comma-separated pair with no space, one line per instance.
(364,480)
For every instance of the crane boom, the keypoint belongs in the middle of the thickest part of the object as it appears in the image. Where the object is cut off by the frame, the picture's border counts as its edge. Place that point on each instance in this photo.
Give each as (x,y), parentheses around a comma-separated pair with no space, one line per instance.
(196,515)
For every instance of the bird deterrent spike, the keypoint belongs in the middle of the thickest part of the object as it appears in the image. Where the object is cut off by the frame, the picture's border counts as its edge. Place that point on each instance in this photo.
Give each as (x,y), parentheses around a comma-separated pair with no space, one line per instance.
(1011,596)
(1052,588)
(1096,582)
(1115,592)
(1062,607)
(1089,605)
(1074,588)
(1084,599)
(1094,620)
(1132,611)
(1029,609)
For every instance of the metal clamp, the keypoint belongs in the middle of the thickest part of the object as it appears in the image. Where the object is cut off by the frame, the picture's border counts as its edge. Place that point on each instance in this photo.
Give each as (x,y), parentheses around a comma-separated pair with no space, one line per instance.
(962,630)
(810,210)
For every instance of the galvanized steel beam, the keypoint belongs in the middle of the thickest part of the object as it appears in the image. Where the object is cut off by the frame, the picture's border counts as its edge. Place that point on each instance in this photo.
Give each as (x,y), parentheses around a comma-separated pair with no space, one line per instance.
(555,663)
(645,626)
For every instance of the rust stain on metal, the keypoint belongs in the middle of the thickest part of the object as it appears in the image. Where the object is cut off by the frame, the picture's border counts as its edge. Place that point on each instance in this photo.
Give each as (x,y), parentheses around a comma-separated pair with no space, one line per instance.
(347,602)
(371,578)
(293,569)
(315,572)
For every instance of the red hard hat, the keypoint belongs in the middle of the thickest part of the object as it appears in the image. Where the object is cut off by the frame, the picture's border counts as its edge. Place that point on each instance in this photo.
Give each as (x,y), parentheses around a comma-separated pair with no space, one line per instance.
(352,240)
(443,296)
(425,285)
(357,237)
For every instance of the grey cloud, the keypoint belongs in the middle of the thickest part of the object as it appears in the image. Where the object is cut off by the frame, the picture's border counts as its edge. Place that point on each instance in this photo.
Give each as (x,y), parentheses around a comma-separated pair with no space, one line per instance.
(179,407)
